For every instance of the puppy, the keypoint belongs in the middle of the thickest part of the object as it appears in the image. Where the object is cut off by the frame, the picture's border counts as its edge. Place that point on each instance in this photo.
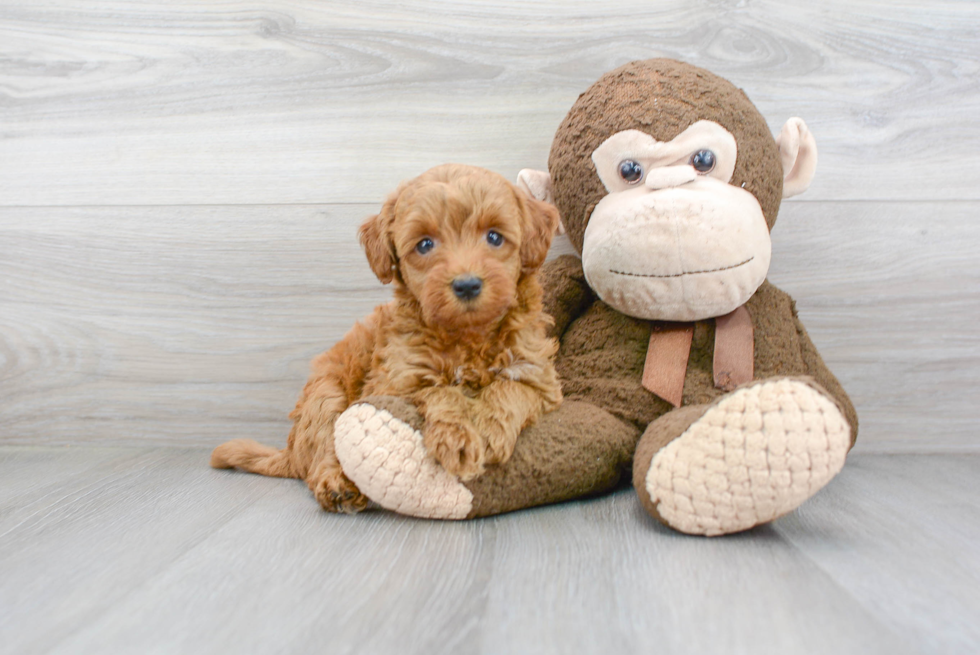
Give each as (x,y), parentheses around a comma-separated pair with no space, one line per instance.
(463,338)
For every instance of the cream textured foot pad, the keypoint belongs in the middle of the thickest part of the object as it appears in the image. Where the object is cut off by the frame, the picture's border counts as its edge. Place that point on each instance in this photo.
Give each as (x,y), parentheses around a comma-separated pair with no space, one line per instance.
(387,461)
(756,455)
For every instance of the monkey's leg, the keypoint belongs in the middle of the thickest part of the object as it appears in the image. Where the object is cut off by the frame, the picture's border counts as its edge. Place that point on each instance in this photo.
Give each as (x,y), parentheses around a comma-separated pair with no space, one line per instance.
(752,456)
(575,451)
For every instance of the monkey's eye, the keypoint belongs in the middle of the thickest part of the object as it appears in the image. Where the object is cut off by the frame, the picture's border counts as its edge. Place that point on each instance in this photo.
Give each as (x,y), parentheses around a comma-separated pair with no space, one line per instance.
(424,246)
(703,161)
(630,171)
(495,239)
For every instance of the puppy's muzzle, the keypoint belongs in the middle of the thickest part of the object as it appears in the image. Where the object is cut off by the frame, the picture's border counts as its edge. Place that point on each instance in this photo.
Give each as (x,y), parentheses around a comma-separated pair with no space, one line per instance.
(467,287)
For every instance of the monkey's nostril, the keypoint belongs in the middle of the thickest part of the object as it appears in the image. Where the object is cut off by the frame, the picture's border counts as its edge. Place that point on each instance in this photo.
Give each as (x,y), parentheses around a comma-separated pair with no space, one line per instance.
(467,288)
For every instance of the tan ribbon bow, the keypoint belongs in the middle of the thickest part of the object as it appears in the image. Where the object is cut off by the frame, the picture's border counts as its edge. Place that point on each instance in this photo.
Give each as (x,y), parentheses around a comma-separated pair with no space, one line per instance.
(670,348)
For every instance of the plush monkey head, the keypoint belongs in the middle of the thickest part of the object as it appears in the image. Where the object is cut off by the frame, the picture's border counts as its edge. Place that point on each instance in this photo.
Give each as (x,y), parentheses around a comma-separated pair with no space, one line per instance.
(668,182)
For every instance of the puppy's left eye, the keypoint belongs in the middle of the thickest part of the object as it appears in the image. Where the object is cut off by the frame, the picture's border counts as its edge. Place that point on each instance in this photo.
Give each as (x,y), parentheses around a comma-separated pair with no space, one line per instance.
(495,239)
(424,246)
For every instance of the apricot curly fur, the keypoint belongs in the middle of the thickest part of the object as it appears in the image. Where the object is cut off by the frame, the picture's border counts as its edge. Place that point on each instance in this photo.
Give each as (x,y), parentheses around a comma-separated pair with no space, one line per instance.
(479,370)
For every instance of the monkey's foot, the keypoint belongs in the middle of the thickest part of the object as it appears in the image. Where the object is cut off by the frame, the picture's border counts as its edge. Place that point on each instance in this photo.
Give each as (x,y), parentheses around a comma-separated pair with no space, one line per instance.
(751,457)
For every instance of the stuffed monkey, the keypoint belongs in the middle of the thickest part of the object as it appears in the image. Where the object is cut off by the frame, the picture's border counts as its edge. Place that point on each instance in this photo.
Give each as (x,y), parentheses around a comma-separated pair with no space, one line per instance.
(676,356)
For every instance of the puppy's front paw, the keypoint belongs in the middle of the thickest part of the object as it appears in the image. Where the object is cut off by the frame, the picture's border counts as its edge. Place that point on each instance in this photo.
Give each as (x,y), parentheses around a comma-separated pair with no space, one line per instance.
(335,492)
(500,440)
(456,446)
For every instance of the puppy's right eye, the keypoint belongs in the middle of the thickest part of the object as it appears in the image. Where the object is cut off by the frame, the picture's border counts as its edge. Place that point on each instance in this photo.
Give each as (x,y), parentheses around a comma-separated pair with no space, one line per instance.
(424,246)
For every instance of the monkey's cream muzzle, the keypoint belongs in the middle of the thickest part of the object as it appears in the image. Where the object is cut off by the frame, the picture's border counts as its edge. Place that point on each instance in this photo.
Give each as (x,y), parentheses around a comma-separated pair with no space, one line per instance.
(675,245)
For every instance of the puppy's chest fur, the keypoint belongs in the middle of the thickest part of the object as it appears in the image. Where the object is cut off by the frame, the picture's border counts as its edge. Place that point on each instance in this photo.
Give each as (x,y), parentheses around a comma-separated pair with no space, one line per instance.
(408,358)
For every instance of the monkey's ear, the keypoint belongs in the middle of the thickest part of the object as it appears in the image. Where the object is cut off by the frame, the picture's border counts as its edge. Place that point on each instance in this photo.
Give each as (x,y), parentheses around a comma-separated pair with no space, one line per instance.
(541,222)
(537,185)
(377,245)
(798,152)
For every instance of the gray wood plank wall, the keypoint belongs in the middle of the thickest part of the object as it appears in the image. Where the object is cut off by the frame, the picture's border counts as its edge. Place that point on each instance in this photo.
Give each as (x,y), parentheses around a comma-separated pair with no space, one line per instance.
(180,184)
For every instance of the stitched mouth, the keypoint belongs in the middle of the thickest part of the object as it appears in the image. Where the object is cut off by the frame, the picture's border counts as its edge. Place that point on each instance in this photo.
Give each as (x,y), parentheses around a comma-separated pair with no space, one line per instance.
(711,270)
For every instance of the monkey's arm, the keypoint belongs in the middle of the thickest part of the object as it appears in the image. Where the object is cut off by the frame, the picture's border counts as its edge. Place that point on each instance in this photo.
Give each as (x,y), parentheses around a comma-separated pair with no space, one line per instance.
(817,369)
(566,293)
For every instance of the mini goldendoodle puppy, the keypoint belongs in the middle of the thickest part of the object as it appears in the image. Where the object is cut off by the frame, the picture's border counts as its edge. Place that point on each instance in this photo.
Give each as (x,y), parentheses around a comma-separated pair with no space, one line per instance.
(463,338)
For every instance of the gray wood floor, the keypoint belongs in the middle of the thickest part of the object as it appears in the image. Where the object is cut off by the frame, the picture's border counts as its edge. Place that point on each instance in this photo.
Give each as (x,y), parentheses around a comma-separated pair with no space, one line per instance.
(180,184)
(111,550)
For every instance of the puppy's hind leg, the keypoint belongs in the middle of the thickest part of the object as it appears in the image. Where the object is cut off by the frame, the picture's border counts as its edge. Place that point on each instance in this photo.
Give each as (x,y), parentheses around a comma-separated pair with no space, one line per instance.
(312,446)
(333,489)
(337,378)
(253,457)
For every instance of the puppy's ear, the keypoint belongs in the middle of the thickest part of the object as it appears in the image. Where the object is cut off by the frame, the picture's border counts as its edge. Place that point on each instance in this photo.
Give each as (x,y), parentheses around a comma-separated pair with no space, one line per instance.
(377,244)
(540,224)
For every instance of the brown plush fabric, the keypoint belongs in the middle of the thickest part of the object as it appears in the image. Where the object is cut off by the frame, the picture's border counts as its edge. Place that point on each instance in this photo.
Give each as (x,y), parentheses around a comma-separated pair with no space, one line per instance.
(566,293)
(661,97)
(603,351)
(577,450)
(818,370)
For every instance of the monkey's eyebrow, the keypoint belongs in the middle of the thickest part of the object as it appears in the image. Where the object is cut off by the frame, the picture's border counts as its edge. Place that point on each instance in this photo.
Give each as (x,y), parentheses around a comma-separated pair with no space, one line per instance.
(638,145)
(628,144)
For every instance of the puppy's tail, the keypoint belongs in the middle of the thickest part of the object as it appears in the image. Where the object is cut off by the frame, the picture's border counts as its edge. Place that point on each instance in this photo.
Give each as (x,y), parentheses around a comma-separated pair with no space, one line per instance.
(253,457)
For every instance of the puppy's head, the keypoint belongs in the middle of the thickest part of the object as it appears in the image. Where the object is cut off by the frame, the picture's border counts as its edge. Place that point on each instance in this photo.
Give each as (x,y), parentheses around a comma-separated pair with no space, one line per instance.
(460,239)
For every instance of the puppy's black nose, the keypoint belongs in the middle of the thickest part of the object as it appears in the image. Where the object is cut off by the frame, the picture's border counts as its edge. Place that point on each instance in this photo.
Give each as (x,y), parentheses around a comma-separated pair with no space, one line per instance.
(467,288)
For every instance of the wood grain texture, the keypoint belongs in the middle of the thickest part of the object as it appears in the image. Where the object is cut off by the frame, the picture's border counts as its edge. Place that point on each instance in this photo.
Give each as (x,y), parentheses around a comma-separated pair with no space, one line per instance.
(608,578)
(30,473)
(160,554)
(901,534)
(90,540)
(287,102)
(193,325)
(890,293)
(158,323)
